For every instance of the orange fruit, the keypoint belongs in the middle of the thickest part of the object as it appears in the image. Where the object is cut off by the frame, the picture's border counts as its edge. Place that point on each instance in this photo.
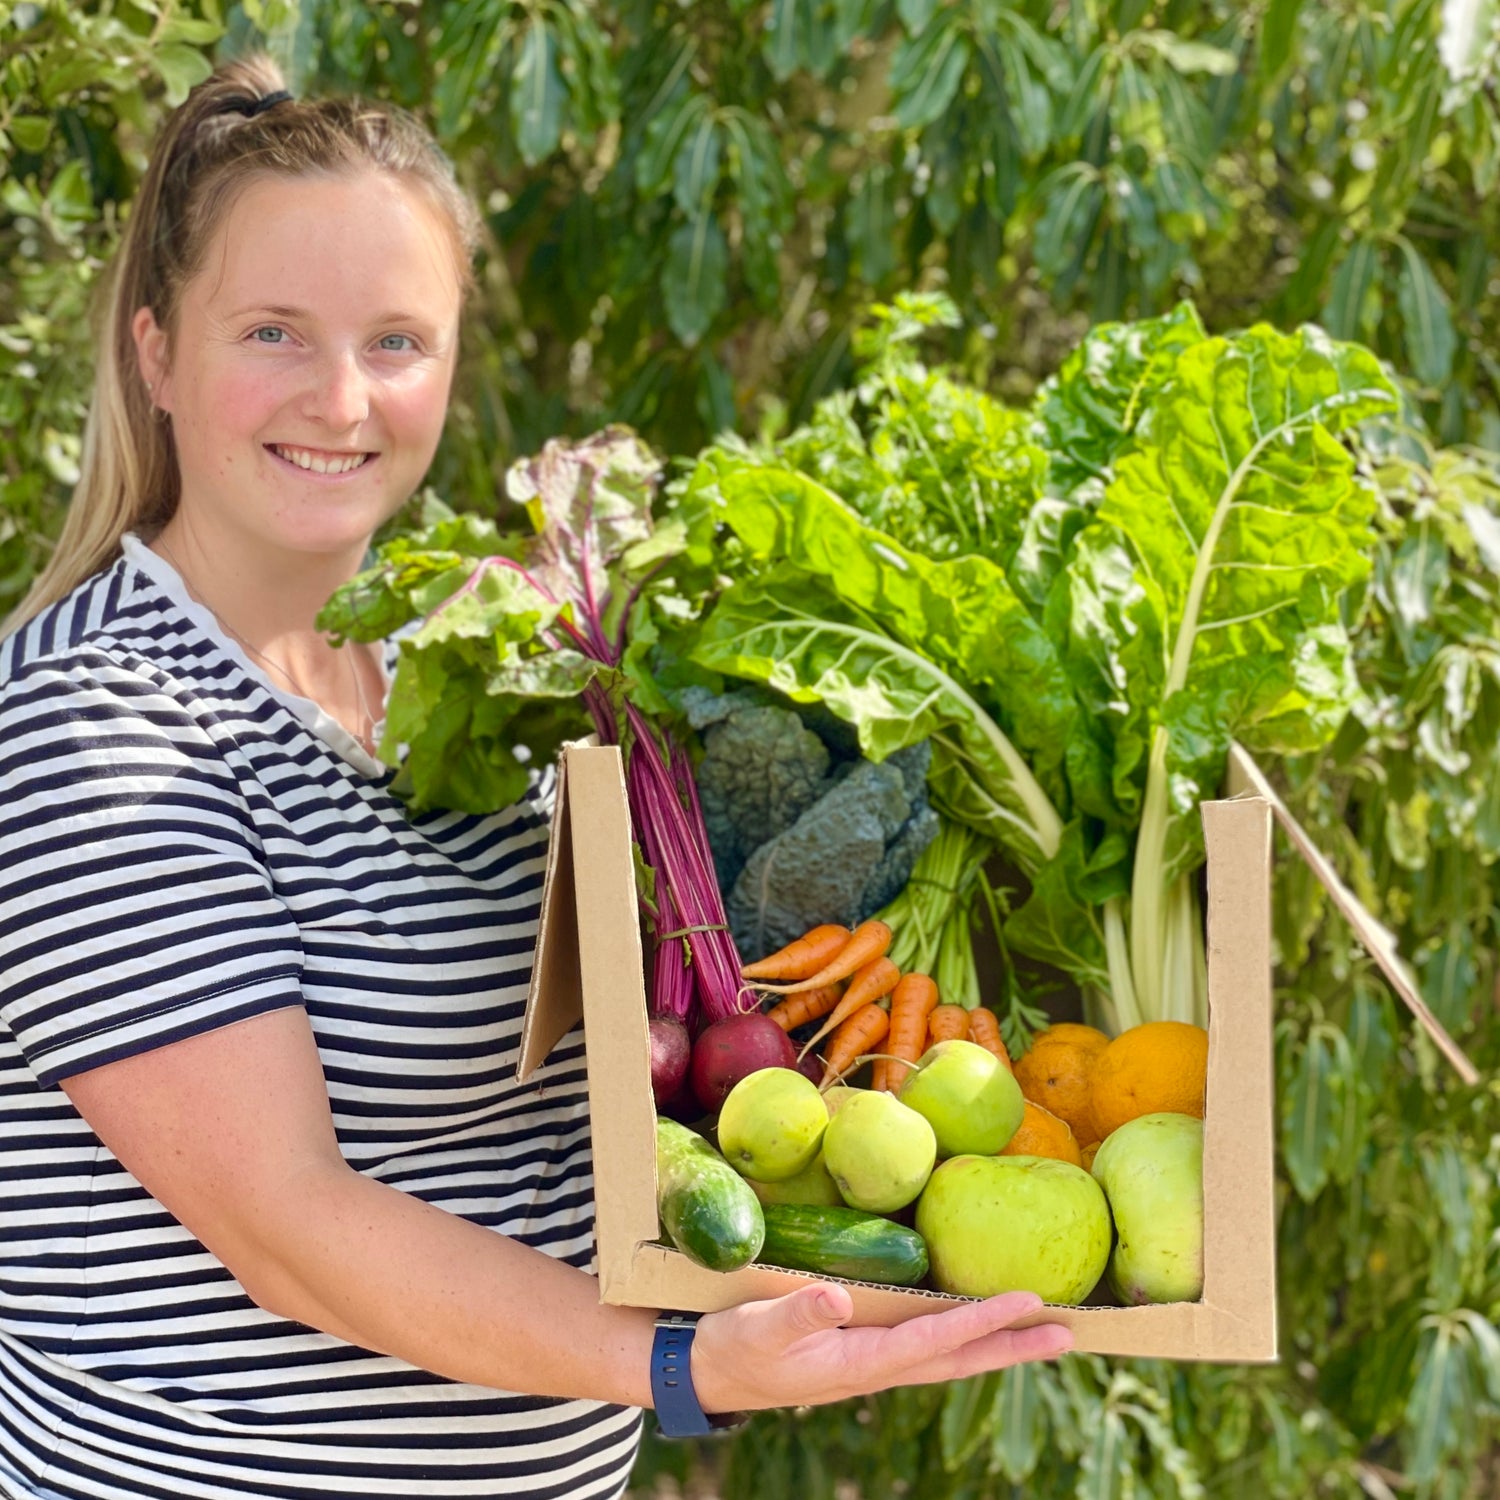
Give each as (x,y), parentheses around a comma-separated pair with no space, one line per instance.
(1160,1067)
(1056,1073)
(1041,1133)
(1089,1153)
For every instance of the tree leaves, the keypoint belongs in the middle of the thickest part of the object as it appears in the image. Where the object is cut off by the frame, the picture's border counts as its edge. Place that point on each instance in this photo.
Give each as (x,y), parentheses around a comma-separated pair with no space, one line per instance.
(694,279)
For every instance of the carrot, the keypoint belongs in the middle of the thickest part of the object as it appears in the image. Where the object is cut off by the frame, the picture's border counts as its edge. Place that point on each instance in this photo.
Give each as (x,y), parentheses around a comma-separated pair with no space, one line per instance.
(984,1028)
(804,957)
(810,1005)
(878,977)
(947,1022)
(869,941)
(880,1073)
(860,1032)
(912,1001)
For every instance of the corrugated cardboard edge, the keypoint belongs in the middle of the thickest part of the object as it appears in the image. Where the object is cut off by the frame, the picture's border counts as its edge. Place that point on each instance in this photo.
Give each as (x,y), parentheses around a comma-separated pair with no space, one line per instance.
(1236,1319)
(1377,939)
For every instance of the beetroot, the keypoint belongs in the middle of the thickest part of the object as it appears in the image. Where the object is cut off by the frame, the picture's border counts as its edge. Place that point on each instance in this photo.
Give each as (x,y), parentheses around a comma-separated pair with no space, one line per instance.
(811,1066)
(729,1049)
(671,1050)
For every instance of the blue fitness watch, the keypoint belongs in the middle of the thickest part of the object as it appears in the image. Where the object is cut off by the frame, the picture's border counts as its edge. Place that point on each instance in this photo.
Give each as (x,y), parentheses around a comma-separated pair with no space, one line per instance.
(678,1414)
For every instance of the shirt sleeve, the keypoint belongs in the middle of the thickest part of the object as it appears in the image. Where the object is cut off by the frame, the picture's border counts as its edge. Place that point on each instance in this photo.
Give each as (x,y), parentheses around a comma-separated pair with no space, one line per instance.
(136,908)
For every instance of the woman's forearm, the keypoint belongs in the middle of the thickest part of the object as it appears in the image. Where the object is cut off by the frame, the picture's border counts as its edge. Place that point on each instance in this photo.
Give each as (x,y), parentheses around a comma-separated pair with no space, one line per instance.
(378,1268)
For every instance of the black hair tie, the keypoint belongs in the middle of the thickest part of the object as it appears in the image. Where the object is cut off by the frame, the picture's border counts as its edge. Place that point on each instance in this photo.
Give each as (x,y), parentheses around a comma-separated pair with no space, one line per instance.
(252,107)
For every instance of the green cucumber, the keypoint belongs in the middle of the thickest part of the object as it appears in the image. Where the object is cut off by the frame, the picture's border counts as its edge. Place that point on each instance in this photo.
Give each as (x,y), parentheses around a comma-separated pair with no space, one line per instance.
(707,1209)
(843,1242)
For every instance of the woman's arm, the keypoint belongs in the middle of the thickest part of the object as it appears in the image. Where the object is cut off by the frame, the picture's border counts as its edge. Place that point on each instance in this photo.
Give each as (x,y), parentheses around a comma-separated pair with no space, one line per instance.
(232,1132)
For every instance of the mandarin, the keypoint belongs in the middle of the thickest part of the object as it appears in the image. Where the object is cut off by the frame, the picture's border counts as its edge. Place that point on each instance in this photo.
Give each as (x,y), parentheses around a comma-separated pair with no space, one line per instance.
(1057,1070)
(1041,1133)
(1160,1067)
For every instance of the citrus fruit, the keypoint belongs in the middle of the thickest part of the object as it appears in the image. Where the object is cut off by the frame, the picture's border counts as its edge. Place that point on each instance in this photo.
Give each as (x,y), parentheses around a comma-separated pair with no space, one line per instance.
(1160,1067)
(1041,1133)
(1056,1072)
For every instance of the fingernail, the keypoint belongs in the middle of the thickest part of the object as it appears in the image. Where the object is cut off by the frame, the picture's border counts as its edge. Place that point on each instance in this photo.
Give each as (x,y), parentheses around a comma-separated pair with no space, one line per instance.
(828,1305)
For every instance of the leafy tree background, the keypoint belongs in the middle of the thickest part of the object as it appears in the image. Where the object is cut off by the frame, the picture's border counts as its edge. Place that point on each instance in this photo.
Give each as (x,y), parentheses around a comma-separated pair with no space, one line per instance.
(690,204)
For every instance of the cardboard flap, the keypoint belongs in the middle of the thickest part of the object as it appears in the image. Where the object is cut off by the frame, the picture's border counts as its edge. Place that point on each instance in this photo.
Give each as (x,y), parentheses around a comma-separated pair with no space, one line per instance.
(1377,939)
(554,1002)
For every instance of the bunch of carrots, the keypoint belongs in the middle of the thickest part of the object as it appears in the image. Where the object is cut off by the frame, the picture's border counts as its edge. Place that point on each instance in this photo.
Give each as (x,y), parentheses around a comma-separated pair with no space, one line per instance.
(845,981)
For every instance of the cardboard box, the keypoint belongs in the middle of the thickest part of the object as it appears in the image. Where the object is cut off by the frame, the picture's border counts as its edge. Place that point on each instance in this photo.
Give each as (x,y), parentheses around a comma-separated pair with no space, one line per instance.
(590,964)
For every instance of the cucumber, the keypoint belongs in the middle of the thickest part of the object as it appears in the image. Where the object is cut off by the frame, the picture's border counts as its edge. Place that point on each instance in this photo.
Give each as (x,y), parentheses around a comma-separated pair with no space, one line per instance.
(843,1242)
(707,1209)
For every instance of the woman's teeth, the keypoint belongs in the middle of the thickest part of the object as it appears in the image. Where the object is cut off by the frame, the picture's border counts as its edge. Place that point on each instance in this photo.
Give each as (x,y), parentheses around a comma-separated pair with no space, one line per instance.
(320,463)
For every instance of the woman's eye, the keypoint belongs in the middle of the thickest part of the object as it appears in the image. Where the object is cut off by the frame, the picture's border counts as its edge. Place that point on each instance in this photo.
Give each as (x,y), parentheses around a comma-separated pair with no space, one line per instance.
(278,335)
(385,341)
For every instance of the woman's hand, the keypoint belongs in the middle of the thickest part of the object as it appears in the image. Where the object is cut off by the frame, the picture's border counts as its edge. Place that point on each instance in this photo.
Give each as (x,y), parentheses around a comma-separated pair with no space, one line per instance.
(794,1351)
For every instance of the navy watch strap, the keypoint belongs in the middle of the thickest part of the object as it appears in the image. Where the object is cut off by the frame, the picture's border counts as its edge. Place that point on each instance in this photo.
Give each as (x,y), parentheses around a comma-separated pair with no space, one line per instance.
(678,1413)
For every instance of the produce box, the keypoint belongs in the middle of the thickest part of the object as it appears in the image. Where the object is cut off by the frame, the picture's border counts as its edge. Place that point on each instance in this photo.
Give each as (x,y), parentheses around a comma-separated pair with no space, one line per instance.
(590,964)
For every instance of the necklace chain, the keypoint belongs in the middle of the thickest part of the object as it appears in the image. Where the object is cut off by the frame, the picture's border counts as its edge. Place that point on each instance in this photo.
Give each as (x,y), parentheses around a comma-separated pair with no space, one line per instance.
(366,737)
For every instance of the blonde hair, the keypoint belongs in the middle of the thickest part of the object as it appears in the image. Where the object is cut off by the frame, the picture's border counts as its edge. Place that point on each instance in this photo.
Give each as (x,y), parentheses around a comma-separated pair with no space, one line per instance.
(213,146)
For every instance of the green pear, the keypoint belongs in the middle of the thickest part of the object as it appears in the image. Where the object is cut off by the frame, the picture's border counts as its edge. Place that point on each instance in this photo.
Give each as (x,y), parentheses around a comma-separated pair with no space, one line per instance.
(879,1152)
(1151,1170)
(967,1095)
(771,1124)
(813,1185)
(1014,1224)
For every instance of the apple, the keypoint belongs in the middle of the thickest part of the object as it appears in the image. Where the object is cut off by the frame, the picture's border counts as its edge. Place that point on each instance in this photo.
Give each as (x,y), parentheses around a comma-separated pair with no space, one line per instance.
(967,1095)
(879,1152)
(1014,1224)
(771,1124)
(1151,1170)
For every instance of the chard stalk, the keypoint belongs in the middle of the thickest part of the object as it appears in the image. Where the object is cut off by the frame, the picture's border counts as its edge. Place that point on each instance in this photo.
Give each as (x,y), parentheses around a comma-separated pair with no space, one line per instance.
(1150,904)
(1120,1007)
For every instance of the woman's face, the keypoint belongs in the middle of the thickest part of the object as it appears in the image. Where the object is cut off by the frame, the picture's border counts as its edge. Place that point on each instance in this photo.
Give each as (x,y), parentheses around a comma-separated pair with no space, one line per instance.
(321,333)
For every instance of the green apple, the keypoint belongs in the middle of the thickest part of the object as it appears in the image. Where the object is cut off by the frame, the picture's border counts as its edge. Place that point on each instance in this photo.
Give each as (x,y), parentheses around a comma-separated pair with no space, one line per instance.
(879,1152)
(967,1095)
(1014,1224)
(771,1124)
(1151,1170)
(814,1185)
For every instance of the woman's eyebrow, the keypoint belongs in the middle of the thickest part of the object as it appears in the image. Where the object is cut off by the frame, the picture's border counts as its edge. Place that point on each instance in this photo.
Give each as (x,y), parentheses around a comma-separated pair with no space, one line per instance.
(276,310)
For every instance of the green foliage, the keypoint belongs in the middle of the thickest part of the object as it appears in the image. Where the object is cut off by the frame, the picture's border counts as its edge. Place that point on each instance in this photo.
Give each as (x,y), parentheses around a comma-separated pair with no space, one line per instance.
(691,201)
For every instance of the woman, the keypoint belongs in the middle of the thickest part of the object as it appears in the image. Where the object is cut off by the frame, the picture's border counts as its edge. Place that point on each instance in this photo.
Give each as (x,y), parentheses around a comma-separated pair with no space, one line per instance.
(276,1219)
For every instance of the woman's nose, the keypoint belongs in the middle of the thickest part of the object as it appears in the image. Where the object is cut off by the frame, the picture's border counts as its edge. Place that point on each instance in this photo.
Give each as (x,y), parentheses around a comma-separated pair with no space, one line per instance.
(340,393)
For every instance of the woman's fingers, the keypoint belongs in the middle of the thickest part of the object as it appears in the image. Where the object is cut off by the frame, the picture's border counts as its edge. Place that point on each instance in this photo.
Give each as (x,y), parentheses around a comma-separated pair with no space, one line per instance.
(793,1351)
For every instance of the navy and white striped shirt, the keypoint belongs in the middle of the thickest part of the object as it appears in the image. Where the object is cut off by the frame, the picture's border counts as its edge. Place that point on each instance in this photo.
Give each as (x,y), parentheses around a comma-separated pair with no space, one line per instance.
(182,846)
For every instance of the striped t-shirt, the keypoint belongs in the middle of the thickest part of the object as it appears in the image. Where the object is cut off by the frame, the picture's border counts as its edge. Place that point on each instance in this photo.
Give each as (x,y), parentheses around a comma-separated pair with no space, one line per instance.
(182,846)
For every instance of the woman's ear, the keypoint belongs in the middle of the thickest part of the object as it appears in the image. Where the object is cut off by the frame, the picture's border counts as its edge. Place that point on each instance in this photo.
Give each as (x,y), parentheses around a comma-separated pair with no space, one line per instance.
(151,356)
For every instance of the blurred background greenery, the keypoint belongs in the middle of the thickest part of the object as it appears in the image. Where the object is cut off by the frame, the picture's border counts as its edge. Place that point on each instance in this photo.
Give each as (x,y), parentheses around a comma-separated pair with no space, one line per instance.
(690,205)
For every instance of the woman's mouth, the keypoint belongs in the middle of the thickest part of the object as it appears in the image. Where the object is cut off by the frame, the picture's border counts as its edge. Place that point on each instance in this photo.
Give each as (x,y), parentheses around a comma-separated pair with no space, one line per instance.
(319,461)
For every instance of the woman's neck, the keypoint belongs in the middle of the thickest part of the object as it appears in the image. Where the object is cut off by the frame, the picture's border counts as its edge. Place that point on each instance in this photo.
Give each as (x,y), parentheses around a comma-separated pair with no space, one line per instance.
(269,606)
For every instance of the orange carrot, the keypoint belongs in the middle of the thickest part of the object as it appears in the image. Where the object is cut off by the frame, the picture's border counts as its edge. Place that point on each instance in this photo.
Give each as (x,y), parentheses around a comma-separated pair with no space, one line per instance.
(869,941)
(811,1005)
(912,1001)
(804,957)
(860,1032)
(947,1022)
(878,977)
(880,1075)
(984,1028)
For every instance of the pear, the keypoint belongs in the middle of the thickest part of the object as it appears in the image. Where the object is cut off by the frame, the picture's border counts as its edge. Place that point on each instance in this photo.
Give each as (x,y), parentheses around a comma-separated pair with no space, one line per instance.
(1151,1170)
(771,1124)
(879,1151)
(813,1185)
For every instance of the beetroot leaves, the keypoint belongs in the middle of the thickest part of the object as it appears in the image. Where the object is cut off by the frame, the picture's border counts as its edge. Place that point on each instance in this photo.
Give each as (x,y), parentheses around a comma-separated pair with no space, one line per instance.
(510,644)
